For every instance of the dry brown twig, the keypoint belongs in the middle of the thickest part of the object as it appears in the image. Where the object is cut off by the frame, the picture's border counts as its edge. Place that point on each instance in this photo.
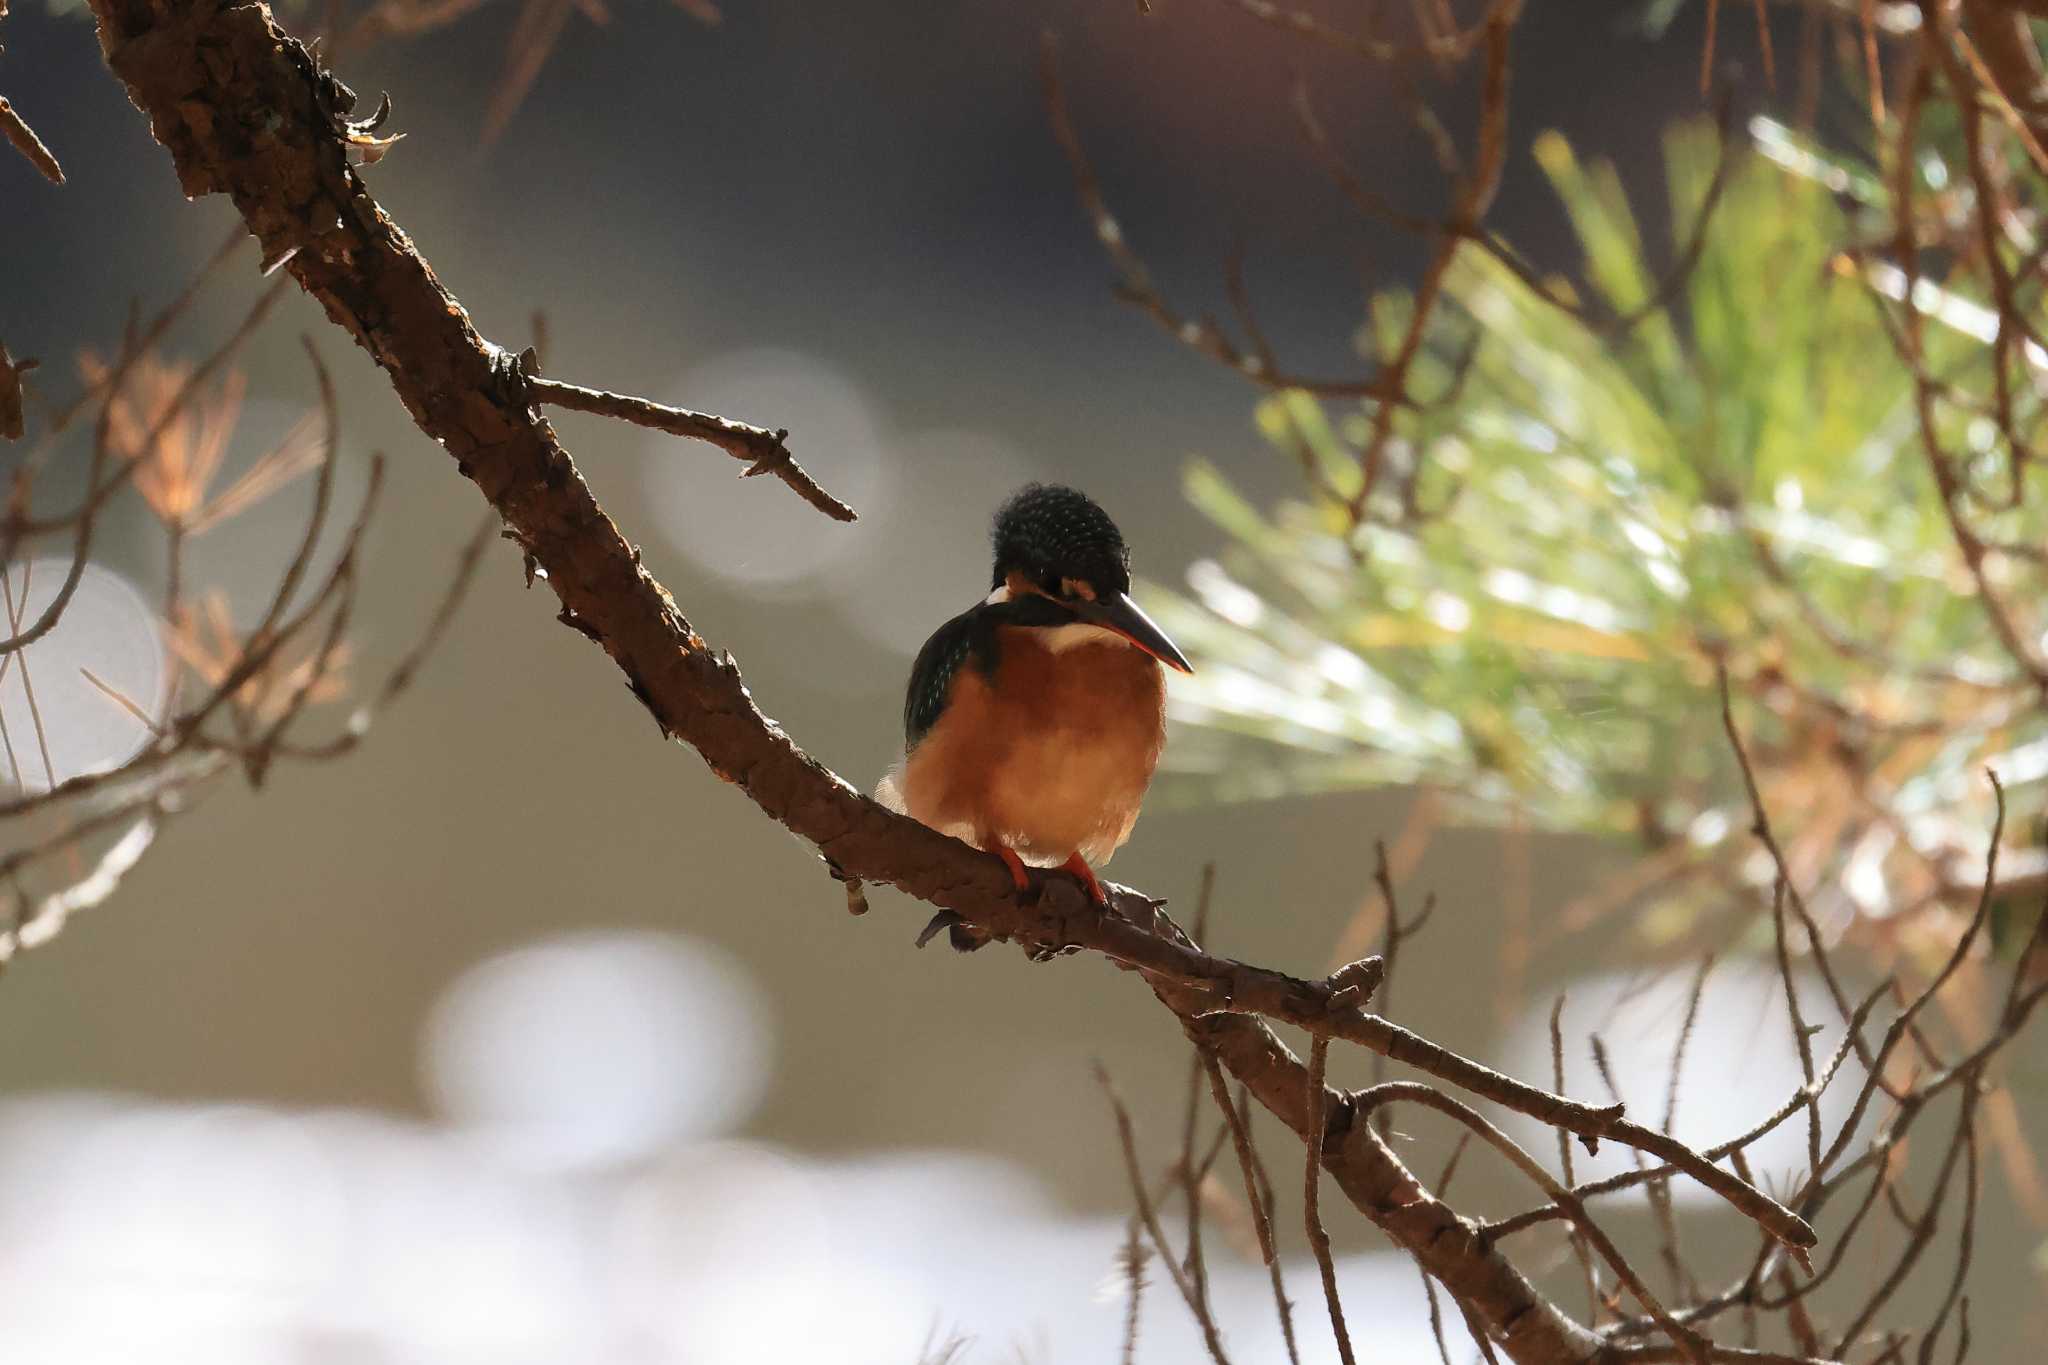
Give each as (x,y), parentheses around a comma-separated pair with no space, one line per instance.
(1829,1172)
(1311,1205)
(82,521)
(1148,1218)
(1580,1253)
(764,451)
(24,139)
(166,435)
(11,371)
(1397,932)
(1191,1182)
(1832,1171)
(1258,1197)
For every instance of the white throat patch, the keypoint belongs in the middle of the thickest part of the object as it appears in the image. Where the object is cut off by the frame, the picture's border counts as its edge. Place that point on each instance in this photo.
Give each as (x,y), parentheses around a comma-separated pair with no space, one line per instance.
(1060,639)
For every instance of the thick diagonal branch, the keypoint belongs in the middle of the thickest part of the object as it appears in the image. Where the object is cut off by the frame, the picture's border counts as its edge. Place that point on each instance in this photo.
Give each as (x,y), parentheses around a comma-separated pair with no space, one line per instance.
(244,111)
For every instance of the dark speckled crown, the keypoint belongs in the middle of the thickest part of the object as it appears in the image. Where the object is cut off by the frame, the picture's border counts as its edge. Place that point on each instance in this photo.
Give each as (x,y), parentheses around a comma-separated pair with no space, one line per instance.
(1048,533)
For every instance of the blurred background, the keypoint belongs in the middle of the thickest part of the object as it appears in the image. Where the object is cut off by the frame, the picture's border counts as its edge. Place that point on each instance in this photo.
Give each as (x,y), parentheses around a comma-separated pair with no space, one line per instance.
(515,1035)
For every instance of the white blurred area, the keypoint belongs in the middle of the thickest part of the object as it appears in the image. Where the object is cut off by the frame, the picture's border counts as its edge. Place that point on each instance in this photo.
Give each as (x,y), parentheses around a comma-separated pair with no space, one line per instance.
(599,1047)
(75,725)
(583,1199)
(1740,1065)
(775,546)
(919,554)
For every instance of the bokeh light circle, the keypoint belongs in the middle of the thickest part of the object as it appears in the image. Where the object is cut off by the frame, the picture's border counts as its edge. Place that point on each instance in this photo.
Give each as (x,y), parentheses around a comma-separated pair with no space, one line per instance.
(599,1047)
(754,533)
(106,629)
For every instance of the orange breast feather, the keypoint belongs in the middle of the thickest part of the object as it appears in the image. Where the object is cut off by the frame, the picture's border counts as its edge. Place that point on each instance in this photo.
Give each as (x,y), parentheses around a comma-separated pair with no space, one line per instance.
(1050,756)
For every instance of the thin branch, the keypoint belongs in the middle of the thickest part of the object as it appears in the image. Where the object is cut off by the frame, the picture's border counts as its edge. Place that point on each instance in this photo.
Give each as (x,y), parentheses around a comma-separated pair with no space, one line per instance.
(1802,1037)
(1761,827)
(1256,1197)
(1133,1261)
(1720,1151)
(1395,933)
(11,418)
(122,700)
(84,520)
(1416,1093)
(1311,1210)
(1283,1305)
(1580,1253)
(1920,1233)
(28,691)
(1195,1262)
(16,130)
(32,927)
(1966,1241)
(1240,1138)
(1149,1216)
(761,450)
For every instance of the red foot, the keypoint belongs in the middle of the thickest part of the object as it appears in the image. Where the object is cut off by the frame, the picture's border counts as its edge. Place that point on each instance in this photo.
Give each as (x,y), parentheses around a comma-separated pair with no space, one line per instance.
(1080,869)
(1016,866)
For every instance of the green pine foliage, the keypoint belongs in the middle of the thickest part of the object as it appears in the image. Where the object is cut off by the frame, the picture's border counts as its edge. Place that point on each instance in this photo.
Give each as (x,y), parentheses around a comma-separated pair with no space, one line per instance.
(1606,514)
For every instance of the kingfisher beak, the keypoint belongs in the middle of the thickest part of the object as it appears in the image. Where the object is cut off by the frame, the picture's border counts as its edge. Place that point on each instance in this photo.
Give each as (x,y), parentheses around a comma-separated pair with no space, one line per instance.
(1127,619)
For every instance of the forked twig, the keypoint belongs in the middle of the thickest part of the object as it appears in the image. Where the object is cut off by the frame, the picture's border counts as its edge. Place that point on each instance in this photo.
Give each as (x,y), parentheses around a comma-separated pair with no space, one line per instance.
(1212,1337)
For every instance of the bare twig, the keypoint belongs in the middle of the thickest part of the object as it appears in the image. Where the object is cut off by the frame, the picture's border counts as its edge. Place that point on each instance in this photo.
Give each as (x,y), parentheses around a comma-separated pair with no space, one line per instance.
(1212,1337)
(1318,1239)
(11,371)
(1802,1036)
(1718,1152)
(1256,1197)
(1966,1240)
(1414,1092)
(16,130)
(1580,1253)
(1240,1138)
(1195,1261)
(763,451)
(28,691)
(1132,1262)
(85,518)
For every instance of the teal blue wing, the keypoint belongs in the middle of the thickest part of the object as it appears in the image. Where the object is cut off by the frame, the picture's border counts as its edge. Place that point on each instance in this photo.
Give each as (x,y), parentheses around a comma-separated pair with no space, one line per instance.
(967,638)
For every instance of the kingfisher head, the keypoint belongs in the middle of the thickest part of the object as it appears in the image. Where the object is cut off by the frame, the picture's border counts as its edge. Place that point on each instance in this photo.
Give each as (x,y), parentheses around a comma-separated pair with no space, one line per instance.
(1057,544)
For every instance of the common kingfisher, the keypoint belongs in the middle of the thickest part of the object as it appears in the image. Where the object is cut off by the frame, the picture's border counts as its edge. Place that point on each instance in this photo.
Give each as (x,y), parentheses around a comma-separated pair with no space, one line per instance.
(1034,719)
